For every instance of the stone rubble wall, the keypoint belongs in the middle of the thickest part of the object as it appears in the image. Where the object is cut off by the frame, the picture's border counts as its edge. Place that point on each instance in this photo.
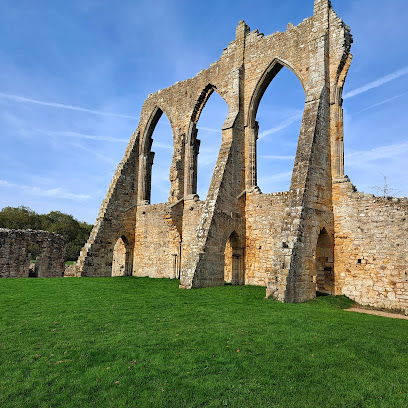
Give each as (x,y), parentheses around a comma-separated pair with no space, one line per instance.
(119,264)
(371,247)
(15,258)
(154,247)
(265,217)
(71,271)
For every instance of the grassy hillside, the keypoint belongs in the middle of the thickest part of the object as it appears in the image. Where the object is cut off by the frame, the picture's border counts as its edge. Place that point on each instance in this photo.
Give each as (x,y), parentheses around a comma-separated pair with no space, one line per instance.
(123,342)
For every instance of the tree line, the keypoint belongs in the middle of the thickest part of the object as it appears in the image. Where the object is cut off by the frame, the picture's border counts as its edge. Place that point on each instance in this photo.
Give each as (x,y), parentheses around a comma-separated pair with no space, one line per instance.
(75,232)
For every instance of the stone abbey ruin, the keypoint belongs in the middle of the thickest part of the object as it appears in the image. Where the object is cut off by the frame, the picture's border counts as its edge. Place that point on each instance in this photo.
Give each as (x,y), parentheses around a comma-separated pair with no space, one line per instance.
(320,236)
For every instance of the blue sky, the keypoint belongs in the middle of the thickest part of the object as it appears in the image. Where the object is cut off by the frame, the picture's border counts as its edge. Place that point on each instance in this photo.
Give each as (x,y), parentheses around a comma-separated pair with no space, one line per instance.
(74,76)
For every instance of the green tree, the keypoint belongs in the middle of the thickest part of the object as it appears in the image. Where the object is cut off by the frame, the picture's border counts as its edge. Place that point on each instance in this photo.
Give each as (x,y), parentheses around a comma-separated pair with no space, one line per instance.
(19,218)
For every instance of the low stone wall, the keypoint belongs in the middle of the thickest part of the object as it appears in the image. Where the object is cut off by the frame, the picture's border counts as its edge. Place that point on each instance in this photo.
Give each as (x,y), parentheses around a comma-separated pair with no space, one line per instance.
(15,256)
(72,271)
(371,248)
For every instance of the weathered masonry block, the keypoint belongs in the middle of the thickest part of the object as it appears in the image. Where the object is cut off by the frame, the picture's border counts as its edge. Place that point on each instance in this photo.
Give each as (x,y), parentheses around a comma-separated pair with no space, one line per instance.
(15,254)
(319,236)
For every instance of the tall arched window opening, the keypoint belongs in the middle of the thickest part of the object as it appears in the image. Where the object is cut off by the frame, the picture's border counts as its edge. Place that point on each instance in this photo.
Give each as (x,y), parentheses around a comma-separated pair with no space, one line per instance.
(162,147)
(209,127)
(279,118)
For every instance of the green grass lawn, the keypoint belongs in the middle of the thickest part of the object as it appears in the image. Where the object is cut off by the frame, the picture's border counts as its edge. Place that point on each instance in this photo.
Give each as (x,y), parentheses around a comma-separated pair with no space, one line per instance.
(123,342)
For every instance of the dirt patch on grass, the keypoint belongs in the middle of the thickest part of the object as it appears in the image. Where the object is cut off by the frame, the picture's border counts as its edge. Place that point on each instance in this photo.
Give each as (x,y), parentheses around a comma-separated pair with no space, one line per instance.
(361,309)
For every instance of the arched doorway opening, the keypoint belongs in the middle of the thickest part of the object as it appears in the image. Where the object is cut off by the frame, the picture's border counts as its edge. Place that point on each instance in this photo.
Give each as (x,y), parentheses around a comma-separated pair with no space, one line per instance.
(234,261)
(121,262)
(323,278)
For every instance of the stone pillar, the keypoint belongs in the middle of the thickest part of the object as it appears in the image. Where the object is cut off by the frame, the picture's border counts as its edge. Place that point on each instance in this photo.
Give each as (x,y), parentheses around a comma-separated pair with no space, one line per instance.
(142,177)
(190,170)
(148,181)
(337,132)
(195,151)
(145,178)
(251,174)
(193,148)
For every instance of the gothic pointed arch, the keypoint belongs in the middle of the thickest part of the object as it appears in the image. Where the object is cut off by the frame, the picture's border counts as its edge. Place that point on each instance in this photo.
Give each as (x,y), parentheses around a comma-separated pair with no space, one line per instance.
(193,143)
(234,260)
(322,278)
(122,257)
(252,125)
(146,155)
(269,74)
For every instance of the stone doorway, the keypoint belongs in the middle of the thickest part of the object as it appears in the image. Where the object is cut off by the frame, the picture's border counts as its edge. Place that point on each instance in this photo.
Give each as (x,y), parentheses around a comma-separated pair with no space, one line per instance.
(33,253)
(233,261)
(121,262)
(323,279)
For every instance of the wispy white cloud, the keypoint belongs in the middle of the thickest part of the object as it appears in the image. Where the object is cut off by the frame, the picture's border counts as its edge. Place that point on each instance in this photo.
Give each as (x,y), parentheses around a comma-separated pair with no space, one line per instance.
(41,192)
(82,136)
(362,158)
(274,157)
(377,83)
(207,129)
(275,177)
(95,153)
(383,102)
(161,146)
(207,160)
(283,125)
(23,99)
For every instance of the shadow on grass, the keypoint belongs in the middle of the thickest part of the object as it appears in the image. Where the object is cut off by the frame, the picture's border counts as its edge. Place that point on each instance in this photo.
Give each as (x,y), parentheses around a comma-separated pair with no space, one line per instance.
(331,301)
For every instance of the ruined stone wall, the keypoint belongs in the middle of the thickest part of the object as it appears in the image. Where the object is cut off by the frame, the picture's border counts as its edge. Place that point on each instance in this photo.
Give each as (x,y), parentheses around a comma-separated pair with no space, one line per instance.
(265,218)
(119,264)
(191,216)
(371,247)
(155,246)
(15,256)
(71,271)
